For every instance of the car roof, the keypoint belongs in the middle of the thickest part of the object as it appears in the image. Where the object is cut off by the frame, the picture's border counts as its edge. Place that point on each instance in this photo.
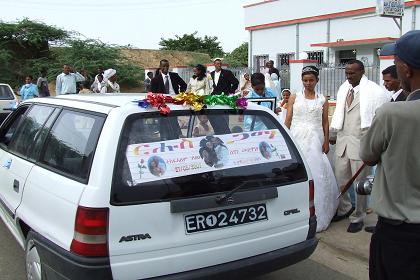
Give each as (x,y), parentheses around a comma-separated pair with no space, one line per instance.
(104,103)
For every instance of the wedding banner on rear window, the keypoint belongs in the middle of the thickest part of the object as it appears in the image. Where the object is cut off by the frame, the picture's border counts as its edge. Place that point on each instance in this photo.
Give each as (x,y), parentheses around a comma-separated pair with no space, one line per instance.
(186,156)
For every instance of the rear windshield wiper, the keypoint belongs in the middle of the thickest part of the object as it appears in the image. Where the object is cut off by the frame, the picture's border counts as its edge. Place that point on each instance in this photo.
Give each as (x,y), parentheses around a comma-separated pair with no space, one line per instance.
(221,198)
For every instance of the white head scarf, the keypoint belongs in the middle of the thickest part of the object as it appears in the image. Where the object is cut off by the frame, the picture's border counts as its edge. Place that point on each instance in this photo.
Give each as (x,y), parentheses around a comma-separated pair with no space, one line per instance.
(109,73)
(268,81)
(274,77)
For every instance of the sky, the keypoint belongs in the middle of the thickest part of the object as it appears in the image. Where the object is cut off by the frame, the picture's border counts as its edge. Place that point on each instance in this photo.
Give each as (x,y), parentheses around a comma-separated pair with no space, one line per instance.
(139,23)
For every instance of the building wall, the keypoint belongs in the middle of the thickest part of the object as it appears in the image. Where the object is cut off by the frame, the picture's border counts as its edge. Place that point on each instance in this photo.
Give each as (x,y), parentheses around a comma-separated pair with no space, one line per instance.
(282,39)
(291,9)
(310,33)
(274,41)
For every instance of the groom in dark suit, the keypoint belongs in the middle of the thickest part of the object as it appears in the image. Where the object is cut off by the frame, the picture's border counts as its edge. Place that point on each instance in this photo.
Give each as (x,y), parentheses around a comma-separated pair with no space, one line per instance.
(393,84)
(167,82)
(223,80)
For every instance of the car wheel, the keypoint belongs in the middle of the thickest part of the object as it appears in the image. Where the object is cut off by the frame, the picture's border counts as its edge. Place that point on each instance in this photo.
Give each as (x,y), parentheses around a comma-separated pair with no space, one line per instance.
(33,260)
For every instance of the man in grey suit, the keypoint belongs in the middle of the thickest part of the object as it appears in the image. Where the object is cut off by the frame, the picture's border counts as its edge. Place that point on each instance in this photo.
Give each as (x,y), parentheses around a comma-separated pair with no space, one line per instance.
(357,100)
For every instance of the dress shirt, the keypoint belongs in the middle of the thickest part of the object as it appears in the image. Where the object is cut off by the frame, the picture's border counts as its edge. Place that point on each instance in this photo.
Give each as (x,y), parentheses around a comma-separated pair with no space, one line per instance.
(216,77)
(171,88)
(67,83)
(356,89)
(396,94)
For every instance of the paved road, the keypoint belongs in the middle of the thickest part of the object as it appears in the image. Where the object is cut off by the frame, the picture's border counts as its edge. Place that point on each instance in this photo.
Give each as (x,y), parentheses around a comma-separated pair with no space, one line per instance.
(12,266)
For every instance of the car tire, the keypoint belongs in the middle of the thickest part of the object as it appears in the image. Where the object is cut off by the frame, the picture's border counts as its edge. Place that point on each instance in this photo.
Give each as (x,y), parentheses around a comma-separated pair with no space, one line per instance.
(32,259)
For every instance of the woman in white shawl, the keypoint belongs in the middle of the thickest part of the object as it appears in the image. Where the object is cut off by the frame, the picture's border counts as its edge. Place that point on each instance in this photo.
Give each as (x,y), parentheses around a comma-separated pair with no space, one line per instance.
(110,76)
(276,85)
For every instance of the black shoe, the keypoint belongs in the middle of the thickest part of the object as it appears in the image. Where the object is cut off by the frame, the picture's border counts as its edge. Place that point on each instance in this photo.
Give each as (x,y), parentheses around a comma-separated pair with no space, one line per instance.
(337,218)
(370,229)
(355,227)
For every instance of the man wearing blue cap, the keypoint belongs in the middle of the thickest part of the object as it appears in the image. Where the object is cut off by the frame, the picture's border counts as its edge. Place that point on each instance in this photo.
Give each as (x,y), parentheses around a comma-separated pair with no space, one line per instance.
(395,137)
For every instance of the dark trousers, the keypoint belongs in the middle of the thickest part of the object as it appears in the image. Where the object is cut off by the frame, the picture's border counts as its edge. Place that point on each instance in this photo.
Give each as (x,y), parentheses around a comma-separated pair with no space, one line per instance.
(395,252)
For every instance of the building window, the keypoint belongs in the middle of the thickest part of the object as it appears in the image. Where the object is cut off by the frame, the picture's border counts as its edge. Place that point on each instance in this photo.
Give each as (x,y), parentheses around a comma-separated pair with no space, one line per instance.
(316,55)
(345,56)
(284,58)
(260,61)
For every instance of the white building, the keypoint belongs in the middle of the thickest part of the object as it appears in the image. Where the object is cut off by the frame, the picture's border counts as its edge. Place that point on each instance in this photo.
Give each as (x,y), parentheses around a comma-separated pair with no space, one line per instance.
(330,31)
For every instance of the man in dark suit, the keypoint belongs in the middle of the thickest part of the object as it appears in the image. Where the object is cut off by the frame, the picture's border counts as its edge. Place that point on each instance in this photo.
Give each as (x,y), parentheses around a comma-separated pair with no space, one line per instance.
(167,82)
(393,84)
(223,80)
(271,69)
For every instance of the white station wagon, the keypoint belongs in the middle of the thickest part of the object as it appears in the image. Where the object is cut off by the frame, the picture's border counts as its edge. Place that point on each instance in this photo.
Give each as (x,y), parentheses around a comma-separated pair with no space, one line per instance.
(96,187)
(8,101)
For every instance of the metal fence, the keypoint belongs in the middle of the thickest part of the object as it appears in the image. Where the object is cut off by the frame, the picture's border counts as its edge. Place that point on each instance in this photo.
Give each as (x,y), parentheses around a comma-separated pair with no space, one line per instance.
(331,77)
(284,71)
(186,74)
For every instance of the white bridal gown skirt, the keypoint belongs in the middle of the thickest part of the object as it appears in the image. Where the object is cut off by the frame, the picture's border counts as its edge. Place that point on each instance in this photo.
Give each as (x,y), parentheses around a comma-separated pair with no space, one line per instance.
(310,141)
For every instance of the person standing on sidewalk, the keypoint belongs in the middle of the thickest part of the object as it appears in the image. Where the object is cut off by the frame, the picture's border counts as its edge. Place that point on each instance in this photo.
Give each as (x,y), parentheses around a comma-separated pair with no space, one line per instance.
(393,84)
(66,81)
(394,137)
(357,100)
(42,84)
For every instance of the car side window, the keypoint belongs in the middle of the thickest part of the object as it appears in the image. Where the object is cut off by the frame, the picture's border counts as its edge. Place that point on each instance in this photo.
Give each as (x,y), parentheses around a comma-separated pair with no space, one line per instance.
(9,129)
(5,93)
(71,143)
(34,152)
(28,131)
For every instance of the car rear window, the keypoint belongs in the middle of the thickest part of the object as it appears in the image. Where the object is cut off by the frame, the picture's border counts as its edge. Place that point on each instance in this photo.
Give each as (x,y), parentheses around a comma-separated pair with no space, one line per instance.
(5,93)
(183,155)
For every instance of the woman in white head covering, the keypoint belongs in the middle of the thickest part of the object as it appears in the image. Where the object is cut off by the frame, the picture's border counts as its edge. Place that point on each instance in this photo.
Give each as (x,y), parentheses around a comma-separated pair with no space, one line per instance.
(110,76)
(276,84)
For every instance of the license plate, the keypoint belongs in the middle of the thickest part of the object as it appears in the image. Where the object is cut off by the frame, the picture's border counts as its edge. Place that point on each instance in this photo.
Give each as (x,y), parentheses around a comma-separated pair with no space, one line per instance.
(225,218)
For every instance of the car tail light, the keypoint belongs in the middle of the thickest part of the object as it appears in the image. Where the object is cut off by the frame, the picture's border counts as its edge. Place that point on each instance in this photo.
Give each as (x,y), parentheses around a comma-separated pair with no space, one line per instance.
(311,198)
(91,232)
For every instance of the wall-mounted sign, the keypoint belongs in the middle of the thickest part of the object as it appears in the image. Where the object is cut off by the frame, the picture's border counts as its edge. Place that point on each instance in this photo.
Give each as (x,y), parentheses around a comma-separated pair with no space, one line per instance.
(390,8)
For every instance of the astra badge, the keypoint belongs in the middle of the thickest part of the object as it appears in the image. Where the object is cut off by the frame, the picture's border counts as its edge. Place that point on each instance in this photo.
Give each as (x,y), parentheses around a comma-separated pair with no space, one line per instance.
(135,237)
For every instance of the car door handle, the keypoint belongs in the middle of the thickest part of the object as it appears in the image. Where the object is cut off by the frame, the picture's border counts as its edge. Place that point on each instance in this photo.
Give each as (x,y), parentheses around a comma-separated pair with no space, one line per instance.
(16,185)
(7,163)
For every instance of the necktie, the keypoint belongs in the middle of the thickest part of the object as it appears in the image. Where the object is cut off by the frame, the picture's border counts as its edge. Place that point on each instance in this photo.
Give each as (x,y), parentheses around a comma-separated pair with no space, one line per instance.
(350,97)
(166,84)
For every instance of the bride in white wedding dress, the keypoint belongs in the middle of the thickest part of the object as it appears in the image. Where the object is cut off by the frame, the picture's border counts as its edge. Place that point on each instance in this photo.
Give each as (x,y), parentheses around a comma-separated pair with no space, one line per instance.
(307,118)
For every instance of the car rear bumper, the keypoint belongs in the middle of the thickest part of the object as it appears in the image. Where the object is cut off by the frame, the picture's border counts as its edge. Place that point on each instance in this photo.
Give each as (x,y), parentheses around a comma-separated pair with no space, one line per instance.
(58,263)
(252,266)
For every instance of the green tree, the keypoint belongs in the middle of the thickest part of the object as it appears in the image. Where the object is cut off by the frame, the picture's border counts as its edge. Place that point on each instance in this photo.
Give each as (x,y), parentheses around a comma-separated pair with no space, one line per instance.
(28,46)
(21,43)
(190,42)
(238,57)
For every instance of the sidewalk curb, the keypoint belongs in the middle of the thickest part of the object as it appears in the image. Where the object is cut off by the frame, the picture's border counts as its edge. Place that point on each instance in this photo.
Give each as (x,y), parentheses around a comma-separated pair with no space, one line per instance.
(341,261)
(347,253)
